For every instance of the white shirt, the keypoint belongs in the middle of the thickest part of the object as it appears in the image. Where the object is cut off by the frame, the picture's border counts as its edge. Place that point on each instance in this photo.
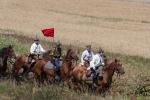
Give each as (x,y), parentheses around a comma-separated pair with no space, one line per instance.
(86,56)
(96,61)
(36,49)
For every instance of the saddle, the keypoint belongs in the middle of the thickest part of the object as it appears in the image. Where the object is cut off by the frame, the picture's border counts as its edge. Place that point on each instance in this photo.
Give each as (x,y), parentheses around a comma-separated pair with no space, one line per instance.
(49,65)
(94,75)
(33,57)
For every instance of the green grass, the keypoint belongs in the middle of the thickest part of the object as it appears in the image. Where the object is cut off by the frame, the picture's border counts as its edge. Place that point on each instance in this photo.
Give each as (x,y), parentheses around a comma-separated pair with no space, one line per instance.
(137,74)
(18,46)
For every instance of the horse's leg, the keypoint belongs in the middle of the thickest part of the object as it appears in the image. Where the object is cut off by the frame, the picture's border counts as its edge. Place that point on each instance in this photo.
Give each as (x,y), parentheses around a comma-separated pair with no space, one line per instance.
(77,87)
(42,76)
(49,79)
(68,84)
(4,68)
(37,77)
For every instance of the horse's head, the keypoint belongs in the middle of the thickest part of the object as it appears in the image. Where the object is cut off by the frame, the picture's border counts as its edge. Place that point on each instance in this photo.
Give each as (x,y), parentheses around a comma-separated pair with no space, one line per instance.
(10,52)
(71,55)
(48,55)
(118,67)
(106,61)
(86,63)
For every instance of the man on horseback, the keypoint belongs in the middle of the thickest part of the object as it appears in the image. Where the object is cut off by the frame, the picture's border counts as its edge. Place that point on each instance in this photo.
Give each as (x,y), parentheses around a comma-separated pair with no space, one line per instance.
(96,66)
(57,53)
(36,50)
(87,55)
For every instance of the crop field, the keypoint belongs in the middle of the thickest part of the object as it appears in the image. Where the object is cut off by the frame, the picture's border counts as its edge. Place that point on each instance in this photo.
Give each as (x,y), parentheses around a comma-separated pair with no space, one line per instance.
(118,26)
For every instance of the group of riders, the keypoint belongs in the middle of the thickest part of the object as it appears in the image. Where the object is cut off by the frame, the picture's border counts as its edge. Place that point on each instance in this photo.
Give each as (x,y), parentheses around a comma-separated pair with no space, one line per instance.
(93,62)
(93,68)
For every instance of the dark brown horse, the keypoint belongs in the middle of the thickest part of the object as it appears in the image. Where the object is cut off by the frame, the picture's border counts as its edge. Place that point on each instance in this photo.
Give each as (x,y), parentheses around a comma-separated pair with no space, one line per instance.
(79,75)
(5,54)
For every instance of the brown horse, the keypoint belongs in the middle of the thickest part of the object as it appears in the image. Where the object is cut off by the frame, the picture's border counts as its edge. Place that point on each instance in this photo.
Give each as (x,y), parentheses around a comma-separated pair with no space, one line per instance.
(19,64)
(68,65)
(5,54)
(41,71)
(23,65)
(109,71)
(79,75)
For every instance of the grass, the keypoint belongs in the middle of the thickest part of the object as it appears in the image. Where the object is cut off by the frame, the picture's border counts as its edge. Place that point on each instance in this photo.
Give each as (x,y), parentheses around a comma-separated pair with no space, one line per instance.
(18,46)
(51,92)
(137,74)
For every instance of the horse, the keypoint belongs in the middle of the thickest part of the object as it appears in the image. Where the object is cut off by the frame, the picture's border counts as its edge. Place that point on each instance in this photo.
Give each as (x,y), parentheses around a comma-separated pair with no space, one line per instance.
(42,72)
(23,65)
(5,54)
(20,66)
(108,73)
(80,78)
(68,65)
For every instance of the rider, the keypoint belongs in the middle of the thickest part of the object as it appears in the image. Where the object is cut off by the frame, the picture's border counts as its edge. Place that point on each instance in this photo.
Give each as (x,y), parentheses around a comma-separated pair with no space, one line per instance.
(36,49)
(57,53)
(96,65)
(87,55)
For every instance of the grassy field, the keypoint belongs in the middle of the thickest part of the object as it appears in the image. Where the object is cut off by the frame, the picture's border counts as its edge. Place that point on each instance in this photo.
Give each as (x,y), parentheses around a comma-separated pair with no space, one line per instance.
(121,27)
(136,76)
(118,26)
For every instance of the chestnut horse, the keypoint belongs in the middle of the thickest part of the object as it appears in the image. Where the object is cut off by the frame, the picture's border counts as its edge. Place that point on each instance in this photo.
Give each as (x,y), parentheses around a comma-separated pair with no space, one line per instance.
(22,66)
(5,54)
(41,72)
(19,64)
(68,65)
(108,73)
(79,75)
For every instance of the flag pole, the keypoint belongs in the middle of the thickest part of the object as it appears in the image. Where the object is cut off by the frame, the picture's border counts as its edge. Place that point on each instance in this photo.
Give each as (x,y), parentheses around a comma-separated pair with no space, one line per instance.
(53,40)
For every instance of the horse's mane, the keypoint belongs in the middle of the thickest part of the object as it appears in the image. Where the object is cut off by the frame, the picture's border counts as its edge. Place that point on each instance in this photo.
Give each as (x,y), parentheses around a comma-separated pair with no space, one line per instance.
(110,66)
(68,52)
(3,51)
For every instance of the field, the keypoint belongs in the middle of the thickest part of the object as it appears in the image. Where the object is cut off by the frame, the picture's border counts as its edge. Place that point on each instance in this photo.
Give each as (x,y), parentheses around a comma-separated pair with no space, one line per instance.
(121,27)
(130,84)
(118,26)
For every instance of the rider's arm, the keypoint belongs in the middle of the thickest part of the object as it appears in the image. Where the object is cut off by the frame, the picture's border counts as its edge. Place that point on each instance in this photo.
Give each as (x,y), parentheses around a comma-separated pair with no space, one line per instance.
(32,49)
(41,48)
(101,61)
(92,55)
(82,57)
(96,60)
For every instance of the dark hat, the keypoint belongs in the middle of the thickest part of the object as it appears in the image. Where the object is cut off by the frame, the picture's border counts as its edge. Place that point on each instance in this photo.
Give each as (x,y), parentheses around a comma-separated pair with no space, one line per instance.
(58,43)
(88,46)
(36,39)
(100,50)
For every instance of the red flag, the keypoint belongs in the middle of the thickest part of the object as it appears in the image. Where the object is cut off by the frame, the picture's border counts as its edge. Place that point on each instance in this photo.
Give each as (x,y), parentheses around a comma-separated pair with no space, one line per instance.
(48,32)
